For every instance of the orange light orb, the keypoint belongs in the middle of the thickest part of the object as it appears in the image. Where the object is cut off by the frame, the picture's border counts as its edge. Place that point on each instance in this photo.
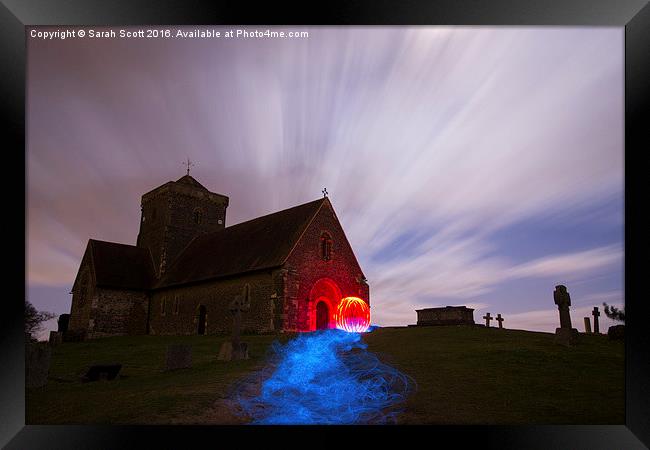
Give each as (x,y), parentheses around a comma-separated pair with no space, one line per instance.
(353,315)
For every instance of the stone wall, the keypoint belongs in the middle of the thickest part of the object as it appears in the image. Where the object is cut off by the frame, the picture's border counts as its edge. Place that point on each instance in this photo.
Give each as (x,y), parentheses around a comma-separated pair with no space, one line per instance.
(305,266)
(168,221)
(118,313)
(153,221)
(176,310)
(182,227)
(83,294)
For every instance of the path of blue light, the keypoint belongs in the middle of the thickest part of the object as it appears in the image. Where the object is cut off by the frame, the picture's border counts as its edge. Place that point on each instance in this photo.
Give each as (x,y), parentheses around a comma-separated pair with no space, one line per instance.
(326,377)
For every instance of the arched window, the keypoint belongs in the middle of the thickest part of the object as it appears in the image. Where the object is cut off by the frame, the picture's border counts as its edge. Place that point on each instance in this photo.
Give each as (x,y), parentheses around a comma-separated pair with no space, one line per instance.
(197,216)
(325,246)
(177,304)
(163,305)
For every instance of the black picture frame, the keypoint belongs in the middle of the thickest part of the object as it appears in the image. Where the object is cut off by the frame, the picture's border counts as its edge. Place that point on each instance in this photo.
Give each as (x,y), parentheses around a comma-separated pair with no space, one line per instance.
(634,15)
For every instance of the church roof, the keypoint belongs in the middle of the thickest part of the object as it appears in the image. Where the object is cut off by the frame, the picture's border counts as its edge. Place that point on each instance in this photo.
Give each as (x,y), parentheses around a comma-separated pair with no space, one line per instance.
(186,179)
(261,243)
(121,266)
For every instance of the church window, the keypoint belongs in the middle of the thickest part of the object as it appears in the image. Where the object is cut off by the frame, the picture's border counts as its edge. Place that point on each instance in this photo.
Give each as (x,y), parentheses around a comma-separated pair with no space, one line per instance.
(163,305)
(197,216)
(177,302)
(326,246)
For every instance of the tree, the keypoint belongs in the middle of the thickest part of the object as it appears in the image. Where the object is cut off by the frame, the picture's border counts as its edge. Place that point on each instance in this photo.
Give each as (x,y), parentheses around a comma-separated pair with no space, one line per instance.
(34,319)
(614,313)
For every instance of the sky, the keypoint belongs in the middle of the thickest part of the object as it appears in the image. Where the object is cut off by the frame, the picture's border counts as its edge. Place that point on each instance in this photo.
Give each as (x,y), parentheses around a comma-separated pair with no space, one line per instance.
(477,166)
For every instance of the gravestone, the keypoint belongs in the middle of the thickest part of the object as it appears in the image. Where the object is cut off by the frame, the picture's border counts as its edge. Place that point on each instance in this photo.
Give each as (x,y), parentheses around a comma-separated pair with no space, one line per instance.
(565,335)
(235,349)
(487,319)
(596,313)
(226,352)
(616,332)
(178,356)
(500,320)
(56,337)
(62,323)
(101,372)
(37,365)
(587,325)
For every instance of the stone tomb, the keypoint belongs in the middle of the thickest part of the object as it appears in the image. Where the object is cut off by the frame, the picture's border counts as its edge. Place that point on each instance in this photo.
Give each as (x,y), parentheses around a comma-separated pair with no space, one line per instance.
(37,365)
(178,356)
(616,332)
(449,315)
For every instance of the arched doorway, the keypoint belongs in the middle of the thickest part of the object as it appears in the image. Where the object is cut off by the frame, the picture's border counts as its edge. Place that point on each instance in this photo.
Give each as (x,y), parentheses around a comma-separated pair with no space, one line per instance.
(324,297)
(202,318)
(322,316)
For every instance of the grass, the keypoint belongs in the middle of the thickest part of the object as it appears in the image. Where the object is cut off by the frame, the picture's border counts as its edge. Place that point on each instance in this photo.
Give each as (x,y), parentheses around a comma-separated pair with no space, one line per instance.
(464,375)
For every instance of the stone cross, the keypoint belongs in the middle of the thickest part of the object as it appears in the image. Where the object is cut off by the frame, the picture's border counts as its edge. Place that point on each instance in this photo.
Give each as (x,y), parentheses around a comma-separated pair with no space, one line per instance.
(324,191)
(235,349)
(565,335)
(563,301)
(596,313)
(487,319)
(500,320)
(236,307)
(587,325)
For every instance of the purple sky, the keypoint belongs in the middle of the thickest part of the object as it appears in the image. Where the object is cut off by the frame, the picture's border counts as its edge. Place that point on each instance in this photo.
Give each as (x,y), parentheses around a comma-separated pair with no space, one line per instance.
(468,165)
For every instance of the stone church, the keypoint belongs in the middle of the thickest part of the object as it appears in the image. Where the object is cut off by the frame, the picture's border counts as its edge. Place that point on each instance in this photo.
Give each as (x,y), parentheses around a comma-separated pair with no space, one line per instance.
(294,266)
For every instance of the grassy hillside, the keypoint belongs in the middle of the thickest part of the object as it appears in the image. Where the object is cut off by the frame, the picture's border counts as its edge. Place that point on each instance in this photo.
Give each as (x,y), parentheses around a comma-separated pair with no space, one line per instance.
(490,376)
(464,376)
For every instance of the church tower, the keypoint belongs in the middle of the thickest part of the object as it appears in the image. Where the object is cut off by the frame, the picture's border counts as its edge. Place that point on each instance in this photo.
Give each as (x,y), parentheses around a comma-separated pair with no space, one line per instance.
(175,213)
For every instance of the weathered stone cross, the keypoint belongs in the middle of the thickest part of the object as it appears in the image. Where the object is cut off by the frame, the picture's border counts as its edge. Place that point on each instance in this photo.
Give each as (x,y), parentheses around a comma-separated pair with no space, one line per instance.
(324,191)
(566,334)
(487,319)
(596,314)
(500,320)
(235,349)
(563,300)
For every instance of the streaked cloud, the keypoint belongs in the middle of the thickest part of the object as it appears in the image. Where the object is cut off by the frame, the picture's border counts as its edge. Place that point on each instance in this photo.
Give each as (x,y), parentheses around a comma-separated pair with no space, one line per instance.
(571,265)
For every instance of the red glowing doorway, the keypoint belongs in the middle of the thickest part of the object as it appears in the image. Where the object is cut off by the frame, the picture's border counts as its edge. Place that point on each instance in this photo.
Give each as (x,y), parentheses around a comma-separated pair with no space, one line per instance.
(322,316)
(324,297)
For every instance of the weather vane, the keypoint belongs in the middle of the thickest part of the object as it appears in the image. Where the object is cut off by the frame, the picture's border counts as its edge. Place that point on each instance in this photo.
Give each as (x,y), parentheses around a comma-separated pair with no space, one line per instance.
(188,164)
(324,191)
